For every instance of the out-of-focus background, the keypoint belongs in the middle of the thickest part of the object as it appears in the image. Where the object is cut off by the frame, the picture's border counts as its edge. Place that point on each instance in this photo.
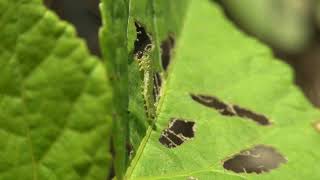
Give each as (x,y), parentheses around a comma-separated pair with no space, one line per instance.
(290,27)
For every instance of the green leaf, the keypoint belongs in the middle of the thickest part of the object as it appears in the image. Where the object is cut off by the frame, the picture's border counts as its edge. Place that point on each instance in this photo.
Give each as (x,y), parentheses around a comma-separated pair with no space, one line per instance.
(54,99)
(213,58)
(113,42)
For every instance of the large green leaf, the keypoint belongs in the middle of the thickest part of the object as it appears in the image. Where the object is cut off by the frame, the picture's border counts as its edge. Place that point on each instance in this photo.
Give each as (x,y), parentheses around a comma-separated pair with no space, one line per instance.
(213,58)
(54,99)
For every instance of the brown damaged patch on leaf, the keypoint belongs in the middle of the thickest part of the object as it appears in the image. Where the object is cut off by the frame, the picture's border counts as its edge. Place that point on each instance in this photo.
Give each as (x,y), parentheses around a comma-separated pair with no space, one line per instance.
(177,133)
(258,159)
(230,109)
(143,42)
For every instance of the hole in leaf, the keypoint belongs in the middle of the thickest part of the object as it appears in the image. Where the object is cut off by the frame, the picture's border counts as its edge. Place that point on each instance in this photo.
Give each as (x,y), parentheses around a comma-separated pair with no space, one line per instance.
(245,113)
(213,102)
(143,43)
(258,159)
(157,82)
(316,126)
(178,132)
(229,109)
(129,148)
(167,46)
(84,15)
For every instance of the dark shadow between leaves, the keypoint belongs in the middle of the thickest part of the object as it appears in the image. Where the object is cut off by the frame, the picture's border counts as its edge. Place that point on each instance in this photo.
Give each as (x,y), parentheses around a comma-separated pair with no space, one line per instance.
(84,15)
(166,51)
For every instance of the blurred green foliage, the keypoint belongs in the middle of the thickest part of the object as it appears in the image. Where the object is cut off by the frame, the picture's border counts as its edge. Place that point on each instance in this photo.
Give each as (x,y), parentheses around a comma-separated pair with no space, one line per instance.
(286,25)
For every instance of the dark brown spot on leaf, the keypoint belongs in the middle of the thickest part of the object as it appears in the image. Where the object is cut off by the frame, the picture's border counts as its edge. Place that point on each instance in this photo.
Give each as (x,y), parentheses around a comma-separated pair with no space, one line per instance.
(167,46)
(143,43)
(178,132)
(229,109)
(258,159)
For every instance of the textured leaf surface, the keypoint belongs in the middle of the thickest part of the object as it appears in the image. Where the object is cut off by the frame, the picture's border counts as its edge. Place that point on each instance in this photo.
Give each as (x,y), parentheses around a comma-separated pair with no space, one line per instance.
(54,99)
(213,58)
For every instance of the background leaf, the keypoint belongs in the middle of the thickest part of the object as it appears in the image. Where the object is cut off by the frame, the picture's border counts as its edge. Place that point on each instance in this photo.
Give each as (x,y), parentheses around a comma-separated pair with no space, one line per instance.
(54,99)
(113,40)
